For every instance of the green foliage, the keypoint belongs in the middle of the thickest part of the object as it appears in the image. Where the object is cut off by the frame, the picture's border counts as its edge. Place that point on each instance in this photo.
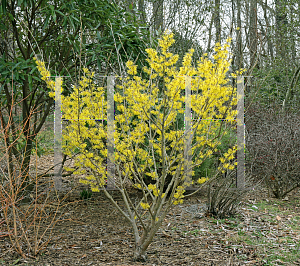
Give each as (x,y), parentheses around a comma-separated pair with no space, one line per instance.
(86,194)
(65,27)
(209,167)
(16,72)
(275,81)
(67,33)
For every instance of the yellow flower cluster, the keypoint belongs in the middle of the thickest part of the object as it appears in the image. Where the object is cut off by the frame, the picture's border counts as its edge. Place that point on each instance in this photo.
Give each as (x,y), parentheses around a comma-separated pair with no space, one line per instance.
(202,180)
(145,206)
(132,69)
(45,76)
(153,188)
(227,157)
(137,186)
(179,195)
(149,106)
(162,65)
(85,105)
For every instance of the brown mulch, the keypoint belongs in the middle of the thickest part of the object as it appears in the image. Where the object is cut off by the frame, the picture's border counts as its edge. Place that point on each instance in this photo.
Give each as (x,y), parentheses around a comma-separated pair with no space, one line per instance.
(94,233)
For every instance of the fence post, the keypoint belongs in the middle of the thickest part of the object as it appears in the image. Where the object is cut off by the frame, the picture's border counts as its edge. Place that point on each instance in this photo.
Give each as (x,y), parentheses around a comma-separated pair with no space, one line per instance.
(58,157)
(187,131)
(240,182)
(110,133)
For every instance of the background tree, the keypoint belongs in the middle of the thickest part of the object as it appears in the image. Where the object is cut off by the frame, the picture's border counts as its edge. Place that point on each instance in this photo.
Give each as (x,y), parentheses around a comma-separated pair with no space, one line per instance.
(68,33)
(158,15)
(253,35)
(266,42)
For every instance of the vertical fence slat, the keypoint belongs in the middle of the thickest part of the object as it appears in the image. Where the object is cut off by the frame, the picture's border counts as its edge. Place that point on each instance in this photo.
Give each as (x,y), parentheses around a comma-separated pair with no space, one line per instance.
(240,135)
(187,131)
(110,133)
(58,157)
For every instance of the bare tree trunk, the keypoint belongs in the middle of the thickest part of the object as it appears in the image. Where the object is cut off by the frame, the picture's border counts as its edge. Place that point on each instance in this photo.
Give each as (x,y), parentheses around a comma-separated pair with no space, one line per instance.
(239,44)
(281,22)
(253,33)
(267,34)
(209,34)
(158,15)
(141,8)
(298,42)
(292,34)
(217,20)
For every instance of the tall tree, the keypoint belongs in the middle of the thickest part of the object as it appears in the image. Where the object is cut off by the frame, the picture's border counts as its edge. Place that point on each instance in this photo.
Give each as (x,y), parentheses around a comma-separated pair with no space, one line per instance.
(217,20)
(142,11)
(158,15)
(267,32)
(281,28)
(239,44)
(253,34)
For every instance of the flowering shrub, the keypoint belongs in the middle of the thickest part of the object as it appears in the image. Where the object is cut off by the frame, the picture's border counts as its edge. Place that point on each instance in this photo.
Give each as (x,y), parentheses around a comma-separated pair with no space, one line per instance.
(151,141)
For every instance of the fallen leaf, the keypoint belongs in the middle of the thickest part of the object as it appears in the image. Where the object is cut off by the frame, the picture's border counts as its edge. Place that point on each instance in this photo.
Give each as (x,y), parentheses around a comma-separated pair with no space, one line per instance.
(278,218)
(286,198)
(165,234)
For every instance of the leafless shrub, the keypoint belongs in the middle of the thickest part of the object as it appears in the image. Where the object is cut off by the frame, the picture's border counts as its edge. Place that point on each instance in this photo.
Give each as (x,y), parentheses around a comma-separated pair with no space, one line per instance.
(273,142)
(26,224)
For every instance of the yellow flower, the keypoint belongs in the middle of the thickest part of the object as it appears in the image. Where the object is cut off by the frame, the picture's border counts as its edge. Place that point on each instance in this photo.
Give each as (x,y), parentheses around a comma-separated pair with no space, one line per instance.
(132,69)
(137,186)
(154,189)
(177,202)
(145,206)
(95,188)
(179,195)
(202,180)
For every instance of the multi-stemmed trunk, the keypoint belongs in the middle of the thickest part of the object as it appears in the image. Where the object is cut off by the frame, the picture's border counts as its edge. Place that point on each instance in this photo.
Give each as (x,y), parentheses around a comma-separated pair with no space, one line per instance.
(142,242)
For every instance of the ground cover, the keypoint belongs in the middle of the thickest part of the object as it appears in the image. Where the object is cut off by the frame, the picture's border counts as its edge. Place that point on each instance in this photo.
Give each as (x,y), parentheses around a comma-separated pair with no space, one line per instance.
(266,231)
